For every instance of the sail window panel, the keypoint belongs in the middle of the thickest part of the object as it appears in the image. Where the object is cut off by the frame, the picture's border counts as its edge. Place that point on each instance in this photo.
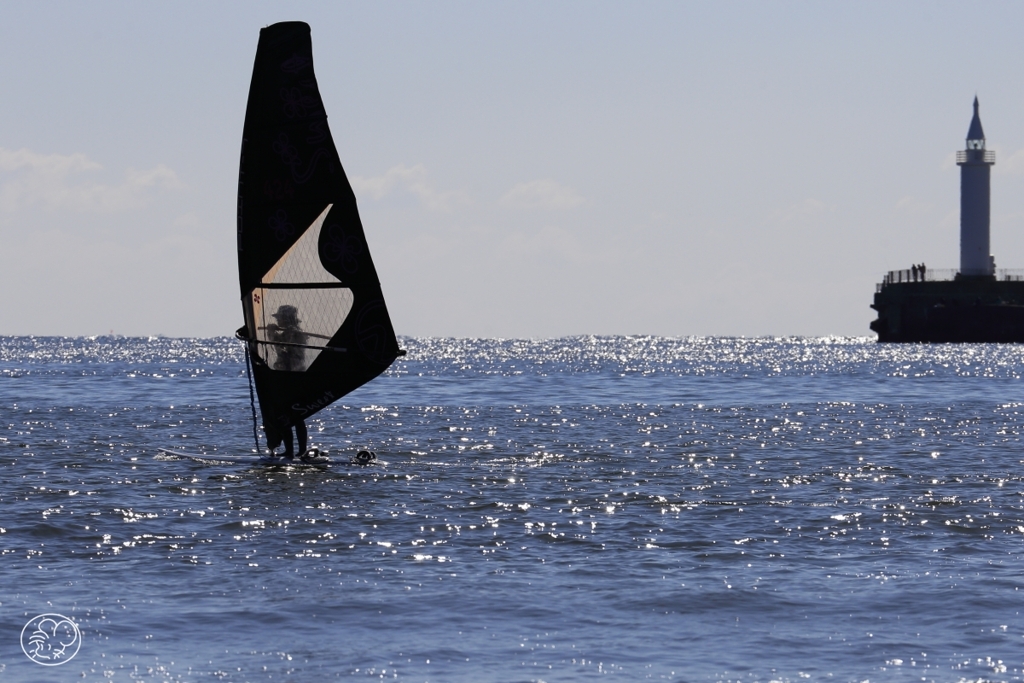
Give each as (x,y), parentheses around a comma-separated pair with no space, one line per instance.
(293,325)
(301,263)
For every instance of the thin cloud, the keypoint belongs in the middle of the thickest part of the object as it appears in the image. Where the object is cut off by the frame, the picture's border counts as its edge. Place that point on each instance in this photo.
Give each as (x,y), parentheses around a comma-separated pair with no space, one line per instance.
(541,194)
(1014,163)
(951,220)
(59,181)
(801,212)
(913,206)
(412,179)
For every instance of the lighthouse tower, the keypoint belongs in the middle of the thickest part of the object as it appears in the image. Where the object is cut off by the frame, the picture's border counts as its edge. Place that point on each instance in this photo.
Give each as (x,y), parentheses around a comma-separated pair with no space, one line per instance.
(975,164)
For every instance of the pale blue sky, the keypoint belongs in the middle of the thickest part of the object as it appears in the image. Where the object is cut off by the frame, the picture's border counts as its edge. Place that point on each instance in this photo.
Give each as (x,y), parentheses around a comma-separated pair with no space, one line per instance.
(525,169)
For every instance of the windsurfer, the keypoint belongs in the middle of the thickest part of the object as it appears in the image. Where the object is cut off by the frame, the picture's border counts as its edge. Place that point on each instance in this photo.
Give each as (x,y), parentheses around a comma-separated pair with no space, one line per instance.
(286,260)
(290,342)
(291,356)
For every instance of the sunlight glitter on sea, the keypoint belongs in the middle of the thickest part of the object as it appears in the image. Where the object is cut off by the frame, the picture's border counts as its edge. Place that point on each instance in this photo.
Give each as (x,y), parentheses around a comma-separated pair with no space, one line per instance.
(775,509)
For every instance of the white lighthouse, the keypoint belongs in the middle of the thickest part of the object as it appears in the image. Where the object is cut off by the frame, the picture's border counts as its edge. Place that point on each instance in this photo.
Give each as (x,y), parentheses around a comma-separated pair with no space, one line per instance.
(975,164)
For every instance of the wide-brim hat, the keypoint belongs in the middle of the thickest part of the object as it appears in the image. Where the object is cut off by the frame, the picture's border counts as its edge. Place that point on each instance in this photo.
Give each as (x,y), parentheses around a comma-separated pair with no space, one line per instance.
(287,312)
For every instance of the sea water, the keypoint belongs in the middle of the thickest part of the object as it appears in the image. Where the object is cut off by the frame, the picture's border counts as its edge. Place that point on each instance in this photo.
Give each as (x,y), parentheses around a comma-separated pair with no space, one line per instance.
(580,509)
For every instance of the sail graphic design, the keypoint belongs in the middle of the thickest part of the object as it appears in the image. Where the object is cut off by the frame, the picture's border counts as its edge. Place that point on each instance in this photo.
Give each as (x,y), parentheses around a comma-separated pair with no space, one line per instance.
(322,300)
(316,323)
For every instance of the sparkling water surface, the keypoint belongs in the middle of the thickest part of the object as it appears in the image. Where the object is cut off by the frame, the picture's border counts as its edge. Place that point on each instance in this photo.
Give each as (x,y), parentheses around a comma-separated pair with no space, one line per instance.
(589,508)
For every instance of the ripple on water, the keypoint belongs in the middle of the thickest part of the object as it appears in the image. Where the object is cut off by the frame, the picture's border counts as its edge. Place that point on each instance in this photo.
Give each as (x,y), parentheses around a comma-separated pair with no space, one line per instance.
(626,507)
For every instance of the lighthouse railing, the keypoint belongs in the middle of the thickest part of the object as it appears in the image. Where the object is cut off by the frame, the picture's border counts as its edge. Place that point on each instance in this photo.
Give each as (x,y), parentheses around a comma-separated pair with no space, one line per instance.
(941,275)
(986,155)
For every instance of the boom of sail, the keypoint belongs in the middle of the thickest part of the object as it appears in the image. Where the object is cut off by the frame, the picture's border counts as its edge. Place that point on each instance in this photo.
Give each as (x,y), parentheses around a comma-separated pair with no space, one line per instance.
(316,324)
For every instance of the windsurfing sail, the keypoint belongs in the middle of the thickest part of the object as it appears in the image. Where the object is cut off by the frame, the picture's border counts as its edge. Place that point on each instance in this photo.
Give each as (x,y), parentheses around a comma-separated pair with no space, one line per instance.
(316,324)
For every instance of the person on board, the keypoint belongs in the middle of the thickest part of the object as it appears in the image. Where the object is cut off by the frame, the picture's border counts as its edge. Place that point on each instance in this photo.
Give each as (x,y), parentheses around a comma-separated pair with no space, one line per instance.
(913,269)
(290,344)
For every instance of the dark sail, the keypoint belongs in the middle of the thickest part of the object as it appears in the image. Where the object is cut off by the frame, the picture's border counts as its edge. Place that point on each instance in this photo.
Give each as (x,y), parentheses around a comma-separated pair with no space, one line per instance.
(315,320)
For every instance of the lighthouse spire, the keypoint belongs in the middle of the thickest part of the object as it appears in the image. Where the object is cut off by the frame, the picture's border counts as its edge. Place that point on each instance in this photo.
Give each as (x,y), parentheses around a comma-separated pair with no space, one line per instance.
(975,134)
